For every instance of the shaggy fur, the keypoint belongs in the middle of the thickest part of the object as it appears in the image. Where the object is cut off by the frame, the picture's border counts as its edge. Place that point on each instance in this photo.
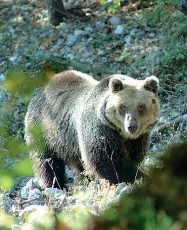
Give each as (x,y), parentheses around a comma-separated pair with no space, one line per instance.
(103,127)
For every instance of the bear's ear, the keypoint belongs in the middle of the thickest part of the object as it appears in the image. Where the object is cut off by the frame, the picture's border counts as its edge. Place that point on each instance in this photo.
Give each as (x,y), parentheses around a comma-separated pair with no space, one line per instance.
(115,85)
(151,84)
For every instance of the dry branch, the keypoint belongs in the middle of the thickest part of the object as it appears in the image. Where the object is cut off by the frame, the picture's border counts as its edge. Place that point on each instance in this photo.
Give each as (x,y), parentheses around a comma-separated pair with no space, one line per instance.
(176,120)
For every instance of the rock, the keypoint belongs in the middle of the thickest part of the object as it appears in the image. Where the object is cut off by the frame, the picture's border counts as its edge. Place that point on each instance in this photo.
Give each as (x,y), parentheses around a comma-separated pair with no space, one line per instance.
(6,203)
(56,198)
(119,29)
(101,52)
(54,192)
(151,35)
(13,59)
(24,192)
(78,33)
(42,47)
(86,54)
(30,185)
(114,21)
(12,31)
(133,32)
(26,211)
(88,30)
(64,26)
(60,41)
(35,197)
(71,40)
(100,24)
(122,190)
(128,40)
(55,47)
(70,56)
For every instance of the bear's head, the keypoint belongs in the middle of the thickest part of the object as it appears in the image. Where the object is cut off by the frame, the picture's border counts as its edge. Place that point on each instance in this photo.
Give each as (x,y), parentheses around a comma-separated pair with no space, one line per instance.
(132,105)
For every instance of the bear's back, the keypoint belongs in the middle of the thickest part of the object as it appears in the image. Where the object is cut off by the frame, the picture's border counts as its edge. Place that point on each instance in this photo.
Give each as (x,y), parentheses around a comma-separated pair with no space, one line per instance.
(73,78)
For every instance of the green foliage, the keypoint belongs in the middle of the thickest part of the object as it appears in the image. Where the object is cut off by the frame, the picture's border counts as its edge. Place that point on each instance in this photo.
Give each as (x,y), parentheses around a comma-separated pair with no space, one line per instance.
(24,84)
(6,179)
(13,151)
(113,5)
(13,119)
(23,168)
(78,217)
(161,11)
(6,221)
(159,204)
(173,63)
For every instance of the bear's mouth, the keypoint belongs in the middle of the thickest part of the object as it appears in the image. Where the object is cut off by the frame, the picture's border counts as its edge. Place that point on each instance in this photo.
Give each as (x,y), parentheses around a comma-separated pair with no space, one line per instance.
(131,134)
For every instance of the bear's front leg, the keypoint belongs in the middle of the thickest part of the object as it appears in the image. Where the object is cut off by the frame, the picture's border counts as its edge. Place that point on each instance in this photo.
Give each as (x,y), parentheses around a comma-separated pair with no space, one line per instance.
(49,169)
(106,157)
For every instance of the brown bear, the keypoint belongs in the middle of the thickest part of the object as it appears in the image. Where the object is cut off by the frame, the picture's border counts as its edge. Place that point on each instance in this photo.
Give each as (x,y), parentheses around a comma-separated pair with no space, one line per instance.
(101,126)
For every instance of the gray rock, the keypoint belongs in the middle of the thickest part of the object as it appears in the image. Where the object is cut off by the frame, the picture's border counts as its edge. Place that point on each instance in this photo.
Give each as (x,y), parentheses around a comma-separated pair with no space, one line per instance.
(56,198)
(31,185)
(6,203)
(44,34)
(101,52)
(86,54)
(54,192)
(128,40)
(100,24)
(122,190)
(13,59)
(64,26)
(70,56)
(42,47)
(133,32)
(119,29)
(78,33)
(71,40)
(88,30)
(55,47)
(26,211)
(24,192)
(35,194)
(151,35)
(12,31)
(114,21)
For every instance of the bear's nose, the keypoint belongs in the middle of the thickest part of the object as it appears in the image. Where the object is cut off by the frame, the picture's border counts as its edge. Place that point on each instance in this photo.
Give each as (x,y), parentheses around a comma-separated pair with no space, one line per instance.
(132,128)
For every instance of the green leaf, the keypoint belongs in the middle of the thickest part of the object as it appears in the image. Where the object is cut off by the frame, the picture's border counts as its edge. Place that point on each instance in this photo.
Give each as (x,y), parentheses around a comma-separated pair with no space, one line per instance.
(6,180)
(24,168)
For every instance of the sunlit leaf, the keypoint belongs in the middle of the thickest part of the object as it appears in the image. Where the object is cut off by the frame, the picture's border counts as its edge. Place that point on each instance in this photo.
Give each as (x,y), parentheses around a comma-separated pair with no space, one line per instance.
(5,221)
(24,84)
(24,168)
(6,180)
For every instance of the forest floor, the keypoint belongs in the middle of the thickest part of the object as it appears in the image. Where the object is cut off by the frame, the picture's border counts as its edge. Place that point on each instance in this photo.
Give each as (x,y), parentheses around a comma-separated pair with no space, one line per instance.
(138,43)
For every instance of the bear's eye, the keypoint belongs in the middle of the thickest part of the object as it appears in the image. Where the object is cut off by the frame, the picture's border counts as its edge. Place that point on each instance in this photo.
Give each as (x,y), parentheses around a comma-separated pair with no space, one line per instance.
(141,107)
(153,101)
(123,109)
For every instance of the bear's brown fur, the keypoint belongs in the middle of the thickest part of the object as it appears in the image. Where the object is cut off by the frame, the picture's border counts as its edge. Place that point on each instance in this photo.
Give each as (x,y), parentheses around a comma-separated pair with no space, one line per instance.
(101,126)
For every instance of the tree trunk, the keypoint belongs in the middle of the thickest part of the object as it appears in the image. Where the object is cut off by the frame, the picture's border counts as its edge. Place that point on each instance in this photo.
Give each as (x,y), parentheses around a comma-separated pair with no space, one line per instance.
(56,11)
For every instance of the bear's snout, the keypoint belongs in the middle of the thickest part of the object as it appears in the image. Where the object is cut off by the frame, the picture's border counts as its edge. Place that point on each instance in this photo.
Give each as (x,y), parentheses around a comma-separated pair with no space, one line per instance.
(132,127)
